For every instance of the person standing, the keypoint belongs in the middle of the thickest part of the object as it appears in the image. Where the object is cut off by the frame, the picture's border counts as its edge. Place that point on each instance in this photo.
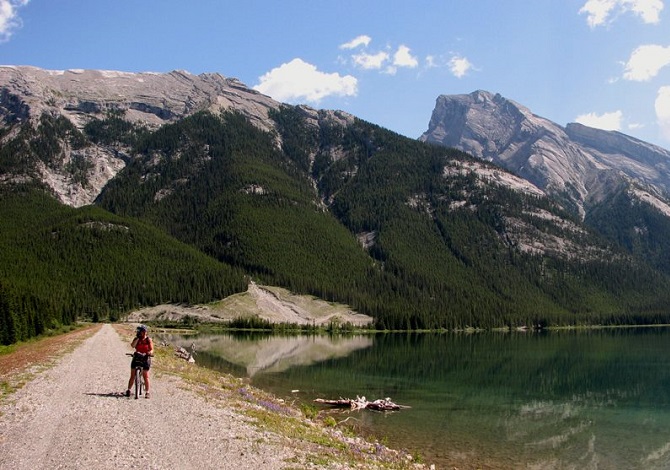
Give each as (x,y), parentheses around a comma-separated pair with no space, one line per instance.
(144,349)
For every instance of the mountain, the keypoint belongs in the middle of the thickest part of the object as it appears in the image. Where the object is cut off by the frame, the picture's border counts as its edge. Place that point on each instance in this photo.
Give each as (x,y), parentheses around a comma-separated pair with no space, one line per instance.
(77,172)
(618,184)
(578,164)
(316,201)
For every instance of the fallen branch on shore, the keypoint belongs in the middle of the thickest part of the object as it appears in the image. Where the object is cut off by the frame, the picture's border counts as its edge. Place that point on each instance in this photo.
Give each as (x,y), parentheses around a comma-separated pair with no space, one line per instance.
(361,403)
(184,354)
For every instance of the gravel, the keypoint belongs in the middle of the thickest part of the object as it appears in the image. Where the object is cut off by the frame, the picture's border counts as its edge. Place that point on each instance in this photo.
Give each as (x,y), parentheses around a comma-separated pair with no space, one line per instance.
(72,416)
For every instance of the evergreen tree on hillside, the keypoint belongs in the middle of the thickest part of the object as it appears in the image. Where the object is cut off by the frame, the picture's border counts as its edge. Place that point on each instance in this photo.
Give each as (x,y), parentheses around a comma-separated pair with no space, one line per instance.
(8,322)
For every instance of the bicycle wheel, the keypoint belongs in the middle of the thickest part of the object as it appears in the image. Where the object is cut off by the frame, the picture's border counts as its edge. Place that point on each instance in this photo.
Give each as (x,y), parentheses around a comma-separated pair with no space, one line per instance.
(138,382)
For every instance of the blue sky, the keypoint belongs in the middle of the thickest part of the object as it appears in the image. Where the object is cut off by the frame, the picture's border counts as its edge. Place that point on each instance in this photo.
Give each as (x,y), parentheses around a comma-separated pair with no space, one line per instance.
(604,63)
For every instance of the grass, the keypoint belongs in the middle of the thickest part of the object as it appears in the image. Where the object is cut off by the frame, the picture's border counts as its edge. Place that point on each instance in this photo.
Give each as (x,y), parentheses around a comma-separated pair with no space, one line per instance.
(8,349)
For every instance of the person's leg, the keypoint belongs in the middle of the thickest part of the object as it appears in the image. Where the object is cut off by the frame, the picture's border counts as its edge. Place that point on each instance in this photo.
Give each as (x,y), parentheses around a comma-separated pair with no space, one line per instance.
(131,381)
(145,373)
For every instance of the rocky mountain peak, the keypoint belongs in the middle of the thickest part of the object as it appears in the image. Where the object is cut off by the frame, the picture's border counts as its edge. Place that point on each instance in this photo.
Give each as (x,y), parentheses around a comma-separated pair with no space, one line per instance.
(81,96)
(483,124)
(148,98)
(575,163)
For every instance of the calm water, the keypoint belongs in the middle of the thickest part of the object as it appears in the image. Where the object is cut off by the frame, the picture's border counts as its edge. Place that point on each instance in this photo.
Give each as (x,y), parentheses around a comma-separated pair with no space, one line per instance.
(557,400)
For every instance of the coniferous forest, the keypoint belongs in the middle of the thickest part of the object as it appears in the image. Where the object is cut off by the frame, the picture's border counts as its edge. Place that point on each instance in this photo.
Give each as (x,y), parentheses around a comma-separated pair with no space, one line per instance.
(61,264)
(210,201)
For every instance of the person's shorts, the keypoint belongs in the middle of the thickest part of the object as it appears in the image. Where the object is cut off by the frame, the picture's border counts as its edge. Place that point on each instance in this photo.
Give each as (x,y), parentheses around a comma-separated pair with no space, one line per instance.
(142,361)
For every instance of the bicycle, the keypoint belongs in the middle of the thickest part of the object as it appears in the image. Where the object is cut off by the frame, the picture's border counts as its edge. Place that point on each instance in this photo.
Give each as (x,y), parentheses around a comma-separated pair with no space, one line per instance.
(139,376)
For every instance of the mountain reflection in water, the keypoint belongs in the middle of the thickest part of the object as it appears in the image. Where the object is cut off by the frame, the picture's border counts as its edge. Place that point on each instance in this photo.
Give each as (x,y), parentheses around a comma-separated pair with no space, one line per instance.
(583,399)
(272,353)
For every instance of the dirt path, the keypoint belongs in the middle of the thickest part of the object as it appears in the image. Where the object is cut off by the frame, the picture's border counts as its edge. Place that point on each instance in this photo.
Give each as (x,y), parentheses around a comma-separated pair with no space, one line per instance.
(69,417)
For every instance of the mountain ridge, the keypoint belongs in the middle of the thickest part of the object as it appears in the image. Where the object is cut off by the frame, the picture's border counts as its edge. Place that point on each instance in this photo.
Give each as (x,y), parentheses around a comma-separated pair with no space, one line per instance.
(147,99)
(571,163)
(151,98)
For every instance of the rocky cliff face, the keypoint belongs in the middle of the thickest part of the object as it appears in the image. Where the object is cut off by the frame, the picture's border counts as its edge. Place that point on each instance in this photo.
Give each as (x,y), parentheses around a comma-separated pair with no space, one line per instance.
(148,99)
(577,164)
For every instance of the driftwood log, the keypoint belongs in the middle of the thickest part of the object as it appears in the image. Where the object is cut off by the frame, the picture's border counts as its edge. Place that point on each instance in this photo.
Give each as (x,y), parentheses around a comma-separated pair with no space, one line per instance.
(361,403)
(184,354)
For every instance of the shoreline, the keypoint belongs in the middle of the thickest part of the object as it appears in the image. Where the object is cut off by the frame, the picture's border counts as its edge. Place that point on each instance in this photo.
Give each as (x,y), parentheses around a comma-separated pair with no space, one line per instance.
(296,329)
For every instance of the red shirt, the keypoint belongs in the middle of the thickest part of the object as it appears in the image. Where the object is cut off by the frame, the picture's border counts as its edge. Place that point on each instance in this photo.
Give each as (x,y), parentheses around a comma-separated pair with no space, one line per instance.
(143,345)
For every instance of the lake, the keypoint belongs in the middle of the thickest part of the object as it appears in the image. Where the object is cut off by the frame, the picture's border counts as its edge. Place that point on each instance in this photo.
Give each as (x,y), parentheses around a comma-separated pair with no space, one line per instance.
(550,400)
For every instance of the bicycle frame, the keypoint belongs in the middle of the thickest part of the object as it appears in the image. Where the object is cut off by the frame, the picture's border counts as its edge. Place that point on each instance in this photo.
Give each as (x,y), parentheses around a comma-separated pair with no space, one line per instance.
(139,379)
(139,382)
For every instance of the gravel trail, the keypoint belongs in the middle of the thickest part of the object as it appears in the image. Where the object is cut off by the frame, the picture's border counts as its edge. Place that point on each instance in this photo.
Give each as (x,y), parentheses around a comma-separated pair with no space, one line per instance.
(72,417)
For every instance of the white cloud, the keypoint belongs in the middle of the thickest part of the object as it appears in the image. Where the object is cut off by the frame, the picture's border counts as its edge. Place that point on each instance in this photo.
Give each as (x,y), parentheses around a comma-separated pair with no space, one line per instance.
(9,18)
(662,106)
(598,12)
(459,66)
(649,10)
(403,58)
(605,121)
(370,61)
(646,61)
(382,60)
(298,80)
(362,40)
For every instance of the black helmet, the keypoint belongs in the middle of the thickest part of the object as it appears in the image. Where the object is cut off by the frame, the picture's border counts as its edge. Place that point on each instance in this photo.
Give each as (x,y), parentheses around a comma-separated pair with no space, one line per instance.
(141,328)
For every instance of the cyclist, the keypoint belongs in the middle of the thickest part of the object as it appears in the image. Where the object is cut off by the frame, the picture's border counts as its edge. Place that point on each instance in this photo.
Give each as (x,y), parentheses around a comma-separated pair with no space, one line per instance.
(144,349)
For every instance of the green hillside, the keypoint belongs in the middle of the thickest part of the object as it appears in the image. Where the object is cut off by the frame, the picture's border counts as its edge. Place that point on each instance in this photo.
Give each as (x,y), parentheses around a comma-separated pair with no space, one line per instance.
(239,202)
(222,185)
(58,264)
